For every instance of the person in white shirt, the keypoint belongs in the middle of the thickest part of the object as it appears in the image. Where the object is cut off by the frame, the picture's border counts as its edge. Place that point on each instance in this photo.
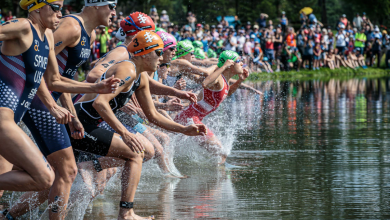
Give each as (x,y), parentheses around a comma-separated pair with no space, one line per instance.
(231,42)
(357,21)
(240,41)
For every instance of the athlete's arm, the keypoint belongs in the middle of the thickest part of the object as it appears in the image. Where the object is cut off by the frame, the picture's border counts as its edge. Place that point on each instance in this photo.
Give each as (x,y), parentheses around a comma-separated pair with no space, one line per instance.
(237,84)
(124,71)
(67,34)
(145,100)
(56,82)
(75,126)
(188,68)
(245,86)
(157,88)
(102,65)
(62,115)
(13,29)
(213,78)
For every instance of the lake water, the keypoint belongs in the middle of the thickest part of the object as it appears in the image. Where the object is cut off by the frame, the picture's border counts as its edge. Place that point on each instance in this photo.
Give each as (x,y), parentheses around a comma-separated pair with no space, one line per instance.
(304,150)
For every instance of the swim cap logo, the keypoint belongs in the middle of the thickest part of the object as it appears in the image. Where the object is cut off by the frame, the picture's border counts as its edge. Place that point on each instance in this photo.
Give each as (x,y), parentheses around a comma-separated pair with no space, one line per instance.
(36,47)
(164,37)
(142,19)
(148,37)
(83,41)
(186,44)
(229,53)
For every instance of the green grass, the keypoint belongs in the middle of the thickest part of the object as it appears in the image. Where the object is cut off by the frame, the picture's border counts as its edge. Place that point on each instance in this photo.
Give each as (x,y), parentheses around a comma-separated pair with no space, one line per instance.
(323,74)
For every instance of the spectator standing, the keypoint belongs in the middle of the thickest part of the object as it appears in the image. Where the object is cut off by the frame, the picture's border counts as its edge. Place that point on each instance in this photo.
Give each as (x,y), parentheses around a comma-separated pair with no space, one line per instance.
(376,47)
(290,38)
(278,41)
(284,22)
(387,44)
(262,21)
(357,21)
(104,39)
(344,20)
(231,42)
(191,20)
(341,41)
(269,48)
(224,23)
(301,38)
(360,40)
(9,17)
(164,20)
(199,29)
(308,52)
(240,41)
(154,15)
(303,18)
(236,22)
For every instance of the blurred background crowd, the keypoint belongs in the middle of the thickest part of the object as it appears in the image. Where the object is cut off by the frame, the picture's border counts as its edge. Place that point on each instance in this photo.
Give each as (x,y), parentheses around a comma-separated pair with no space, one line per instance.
(321,36)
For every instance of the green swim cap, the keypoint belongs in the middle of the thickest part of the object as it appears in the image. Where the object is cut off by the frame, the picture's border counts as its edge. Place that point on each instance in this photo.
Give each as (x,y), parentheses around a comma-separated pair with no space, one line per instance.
(227,55)
(183,48)
(197,44)
(199,54)
(160,29)
(211,53)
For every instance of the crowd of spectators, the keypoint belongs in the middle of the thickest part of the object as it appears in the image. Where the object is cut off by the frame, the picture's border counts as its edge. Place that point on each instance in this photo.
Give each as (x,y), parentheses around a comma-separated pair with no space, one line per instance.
(272,45)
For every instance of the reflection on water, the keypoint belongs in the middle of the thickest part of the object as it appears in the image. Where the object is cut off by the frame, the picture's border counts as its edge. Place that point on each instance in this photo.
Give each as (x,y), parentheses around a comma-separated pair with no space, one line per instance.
(307,150)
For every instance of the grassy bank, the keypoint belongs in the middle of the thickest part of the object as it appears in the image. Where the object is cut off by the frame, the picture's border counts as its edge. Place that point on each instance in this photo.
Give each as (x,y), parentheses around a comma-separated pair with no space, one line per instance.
(323,74)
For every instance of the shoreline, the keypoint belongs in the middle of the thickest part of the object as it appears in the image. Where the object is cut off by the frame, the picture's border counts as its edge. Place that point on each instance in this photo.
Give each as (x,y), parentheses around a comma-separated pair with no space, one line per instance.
(322,74)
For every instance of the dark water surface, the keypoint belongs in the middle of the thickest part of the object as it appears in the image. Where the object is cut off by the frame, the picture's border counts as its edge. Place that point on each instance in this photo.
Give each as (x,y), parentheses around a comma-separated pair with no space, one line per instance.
(307,150)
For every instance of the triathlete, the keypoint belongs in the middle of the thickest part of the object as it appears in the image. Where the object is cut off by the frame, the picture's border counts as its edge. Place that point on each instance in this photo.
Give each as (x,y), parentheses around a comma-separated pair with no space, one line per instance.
(215,90)
(182,65)
(27,49)
(131,25)
(146,48)
(72,47)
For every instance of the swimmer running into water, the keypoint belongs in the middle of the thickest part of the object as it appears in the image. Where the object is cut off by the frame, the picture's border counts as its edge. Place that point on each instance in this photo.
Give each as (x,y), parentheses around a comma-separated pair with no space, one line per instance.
(215,90)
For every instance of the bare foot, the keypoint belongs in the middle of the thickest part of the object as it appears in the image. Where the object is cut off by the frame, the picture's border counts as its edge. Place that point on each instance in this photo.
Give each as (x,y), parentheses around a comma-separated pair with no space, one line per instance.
(135,217)
(223,160)
(86,171)
(172,176)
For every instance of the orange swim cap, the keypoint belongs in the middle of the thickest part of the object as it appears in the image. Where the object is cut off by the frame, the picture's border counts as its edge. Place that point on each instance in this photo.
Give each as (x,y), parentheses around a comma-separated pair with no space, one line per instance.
(145,42)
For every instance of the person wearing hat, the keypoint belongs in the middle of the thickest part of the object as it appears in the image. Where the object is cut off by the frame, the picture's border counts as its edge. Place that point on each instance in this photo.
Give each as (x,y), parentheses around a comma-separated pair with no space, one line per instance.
(164,19)
(344,20)
(357,21)
(376,47)
(284,22)
(191,19)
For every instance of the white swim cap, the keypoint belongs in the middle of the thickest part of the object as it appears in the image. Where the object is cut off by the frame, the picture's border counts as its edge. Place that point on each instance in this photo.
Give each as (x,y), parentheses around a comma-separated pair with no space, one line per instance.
(99,2)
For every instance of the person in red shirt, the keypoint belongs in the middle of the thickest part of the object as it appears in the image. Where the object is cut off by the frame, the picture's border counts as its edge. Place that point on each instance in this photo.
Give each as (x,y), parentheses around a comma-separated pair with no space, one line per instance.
(9,17)
(344,20)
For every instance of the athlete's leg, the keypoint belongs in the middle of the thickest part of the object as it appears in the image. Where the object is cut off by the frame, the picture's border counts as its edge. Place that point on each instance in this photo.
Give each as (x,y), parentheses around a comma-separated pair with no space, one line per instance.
(214,146)
(17,148)
(131,173)
(5,166)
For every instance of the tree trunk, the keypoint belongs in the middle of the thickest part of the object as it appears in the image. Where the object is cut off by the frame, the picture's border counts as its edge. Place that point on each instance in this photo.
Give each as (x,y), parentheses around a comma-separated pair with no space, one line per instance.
(324,13)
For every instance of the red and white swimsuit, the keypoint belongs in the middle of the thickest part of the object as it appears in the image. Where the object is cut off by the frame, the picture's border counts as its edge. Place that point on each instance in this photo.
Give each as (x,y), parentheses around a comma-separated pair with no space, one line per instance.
(195,113)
